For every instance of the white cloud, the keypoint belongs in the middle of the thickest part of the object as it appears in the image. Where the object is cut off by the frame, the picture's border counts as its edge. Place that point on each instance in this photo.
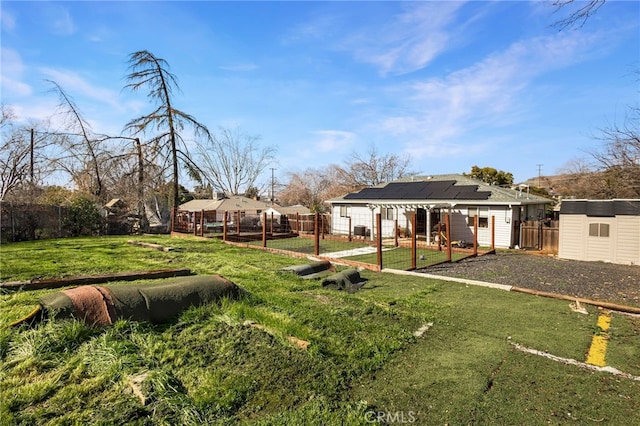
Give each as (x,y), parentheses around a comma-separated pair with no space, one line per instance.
(8,20)
(74,83)
(409,41)
(489,94)
(12,73)
(239,67)
(59,21)
(333,140)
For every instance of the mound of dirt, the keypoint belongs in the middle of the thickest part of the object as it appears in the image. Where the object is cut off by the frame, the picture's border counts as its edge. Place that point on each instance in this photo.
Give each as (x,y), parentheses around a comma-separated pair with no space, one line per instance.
(592,280)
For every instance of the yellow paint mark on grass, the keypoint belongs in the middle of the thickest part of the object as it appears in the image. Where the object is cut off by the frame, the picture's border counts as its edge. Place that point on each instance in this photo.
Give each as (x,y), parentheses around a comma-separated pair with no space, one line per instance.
(598,349)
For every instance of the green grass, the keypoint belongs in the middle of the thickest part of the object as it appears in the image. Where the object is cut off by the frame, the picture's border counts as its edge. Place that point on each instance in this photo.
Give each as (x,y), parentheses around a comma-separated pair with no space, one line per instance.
(234,362)
(400,257)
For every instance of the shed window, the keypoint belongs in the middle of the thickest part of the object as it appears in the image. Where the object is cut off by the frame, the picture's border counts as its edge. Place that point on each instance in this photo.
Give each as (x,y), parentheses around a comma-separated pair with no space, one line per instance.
(483,216)
(344,211)
(386,213)
(599,230)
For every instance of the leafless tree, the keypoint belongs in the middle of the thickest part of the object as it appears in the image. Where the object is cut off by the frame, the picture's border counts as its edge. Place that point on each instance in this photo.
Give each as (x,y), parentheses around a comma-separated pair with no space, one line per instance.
(84,154)
(232,161)
(619,158)
(147,70)
(372,168)
(312,188)
(21,153)
(579,12)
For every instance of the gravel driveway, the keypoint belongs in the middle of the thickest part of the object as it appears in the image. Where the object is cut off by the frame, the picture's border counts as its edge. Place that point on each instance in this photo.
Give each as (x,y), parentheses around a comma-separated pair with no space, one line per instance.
(592,280)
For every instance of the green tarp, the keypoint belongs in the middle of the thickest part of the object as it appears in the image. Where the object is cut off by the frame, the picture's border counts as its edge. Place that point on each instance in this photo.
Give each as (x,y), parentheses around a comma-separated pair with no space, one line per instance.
(348,280)
(311,270)
(156,303)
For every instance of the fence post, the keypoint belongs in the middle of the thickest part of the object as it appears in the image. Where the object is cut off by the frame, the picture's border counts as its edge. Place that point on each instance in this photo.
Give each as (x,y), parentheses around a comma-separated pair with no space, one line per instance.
(475,235)
(271,225)
(224,225)
(264,228)
(414,240)
(316,234)
(238,223)
(395,231)
(379,239)
(297,222)
(493,233)
(202,223)
(447,225)
(350,236)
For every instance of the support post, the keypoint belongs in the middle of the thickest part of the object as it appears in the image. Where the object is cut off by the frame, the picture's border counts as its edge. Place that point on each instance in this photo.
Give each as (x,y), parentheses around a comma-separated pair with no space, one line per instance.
(202,223)
(271,223)
(316,234)
(414,241)
(447,225)
(350,236)
(379,239)
(493,233)
(224,225)
(395,227)
(475,235)
(264,228)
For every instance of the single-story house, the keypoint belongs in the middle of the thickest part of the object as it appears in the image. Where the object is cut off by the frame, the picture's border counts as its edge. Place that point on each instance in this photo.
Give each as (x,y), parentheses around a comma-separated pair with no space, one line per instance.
(600,230)
(429,198)
(250,210)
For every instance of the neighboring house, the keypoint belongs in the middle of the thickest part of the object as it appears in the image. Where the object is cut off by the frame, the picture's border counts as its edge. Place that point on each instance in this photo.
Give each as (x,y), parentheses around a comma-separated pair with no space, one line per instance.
(600,230)
(430,198)
(250,211)
(230,203)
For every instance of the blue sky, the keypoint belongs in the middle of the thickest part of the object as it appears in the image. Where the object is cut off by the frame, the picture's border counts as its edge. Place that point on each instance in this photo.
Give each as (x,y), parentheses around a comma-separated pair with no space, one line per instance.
(452,84)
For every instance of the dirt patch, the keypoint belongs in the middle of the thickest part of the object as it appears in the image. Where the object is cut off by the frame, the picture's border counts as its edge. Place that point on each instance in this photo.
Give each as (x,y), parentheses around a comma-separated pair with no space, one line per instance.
(592,280)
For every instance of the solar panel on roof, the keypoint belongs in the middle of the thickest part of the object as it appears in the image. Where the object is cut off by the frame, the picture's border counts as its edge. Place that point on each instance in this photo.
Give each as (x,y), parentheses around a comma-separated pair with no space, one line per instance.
(436,190)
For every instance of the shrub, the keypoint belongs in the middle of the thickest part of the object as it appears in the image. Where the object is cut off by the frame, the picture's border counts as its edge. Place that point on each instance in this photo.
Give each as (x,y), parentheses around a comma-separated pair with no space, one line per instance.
(83,218)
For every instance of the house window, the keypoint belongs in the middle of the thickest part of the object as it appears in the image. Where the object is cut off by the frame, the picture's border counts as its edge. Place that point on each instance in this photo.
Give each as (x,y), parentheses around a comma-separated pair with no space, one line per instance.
(599,230)
(483,216)
(386,213)
(344,211)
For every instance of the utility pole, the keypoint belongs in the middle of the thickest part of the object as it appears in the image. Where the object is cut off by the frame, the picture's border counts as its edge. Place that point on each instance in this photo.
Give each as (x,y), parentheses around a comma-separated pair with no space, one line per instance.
(539,170)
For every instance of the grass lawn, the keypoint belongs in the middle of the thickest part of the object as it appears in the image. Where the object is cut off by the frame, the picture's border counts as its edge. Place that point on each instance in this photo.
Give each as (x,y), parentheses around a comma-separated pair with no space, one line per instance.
(237,362)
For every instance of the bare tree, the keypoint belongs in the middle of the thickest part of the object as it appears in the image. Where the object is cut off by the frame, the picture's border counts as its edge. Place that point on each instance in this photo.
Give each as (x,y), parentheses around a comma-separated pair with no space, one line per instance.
(84,154)
(579,13)
(372,168)
(20,153)
(147,70)
(619,159)
(312,188)
(232,161)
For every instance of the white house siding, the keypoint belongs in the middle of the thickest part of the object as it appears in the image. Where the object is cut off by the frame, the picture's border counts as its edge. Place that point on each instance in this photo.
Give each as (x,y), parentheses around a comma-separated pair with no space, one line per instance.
(571,244)
(628,240)
(504,226)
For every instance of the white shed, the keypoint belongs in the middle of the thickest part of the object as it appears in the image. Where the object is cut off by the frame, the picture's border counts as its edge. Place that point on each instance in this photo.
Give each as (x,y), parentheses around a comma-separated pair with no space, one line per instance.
(600,230)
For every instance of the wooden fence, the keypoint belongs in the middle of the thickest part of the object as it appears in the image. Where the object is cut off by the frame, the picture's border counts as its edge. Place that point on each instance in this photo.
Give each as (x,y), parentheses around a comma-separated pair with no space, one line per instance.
(541,235)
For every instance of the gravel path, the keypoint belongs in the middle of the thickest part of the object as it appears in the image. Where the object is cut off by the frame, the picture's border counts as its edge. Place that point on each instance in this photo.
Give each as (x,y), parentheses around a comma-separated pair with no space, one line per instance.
(592,280)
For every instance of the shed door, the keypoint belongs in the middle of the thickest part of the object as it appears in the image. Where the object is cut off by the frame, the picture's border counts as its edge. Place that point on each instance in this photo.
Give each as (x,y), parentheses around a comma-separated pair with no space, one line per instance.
(600,239)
